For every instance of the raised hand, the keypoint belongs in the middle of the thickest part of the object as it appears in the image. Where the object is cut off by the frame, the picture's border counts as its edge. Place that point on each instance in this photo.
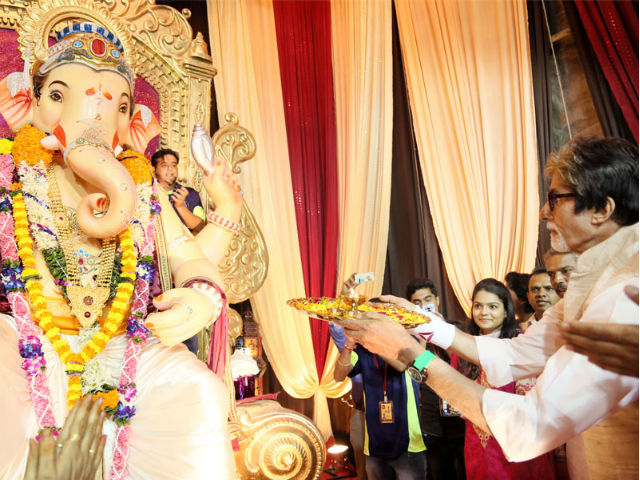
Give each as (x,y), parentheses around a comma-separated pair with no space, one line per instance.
(178,196)
(612,346)
(76,453)
(349,285)
(224,189)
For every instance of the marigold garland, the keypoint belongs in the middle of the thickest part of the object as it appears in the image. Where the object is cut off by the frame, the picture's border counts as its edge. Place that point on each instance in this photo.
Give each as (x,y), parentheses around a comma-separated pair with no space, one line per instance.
(137,165)
(74,362)
(13,272)
(110,399)
(6,145)
(28,149)
(30,345)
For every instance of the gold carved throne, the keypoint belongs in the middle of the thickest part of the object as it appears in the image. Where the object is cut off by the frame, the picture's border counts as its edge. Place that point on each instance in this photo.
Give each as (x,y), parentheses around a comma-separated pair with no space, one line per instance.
(174,76)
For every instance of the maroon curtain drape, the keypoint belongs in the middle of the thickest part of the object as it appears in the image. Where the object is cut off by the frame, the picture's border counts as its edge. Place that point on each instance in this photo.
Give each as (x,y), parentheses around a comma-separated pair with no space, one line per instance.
(303,31)
(612,28)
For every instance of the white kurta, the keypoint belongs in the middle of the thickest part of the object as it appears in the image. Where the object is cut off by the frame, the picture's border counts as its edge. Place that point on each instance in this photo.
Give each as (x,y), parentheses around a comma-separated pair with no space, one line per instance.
(571,394)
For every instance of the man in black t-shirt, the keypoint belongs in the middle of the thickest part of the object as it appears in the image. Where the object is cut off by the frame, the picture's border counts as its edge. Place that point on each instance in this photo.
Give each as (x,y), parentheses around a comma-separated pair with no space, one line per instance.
(185,200)
(443,432)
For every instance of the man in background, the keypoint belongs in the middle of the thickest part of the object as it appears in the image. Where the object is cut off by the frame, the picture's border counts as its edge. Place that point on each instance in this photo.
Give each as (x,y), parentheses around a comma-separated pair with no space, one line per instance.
(442,428)
(560,266)
(541,295)
(393,443)
(185,200)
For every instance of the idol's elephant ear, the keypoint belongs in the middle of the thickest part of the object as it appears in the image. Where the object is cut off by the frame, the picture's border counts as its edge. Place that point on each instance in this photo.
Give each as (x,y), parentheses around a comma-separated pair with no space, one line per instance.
(143,127)
(16,103)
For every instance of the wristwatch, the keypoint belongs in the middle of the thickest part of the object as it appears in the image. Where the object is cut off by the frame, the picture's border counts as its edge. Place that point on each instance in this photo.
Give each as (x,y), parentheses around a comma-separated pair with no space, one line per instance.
(417,375)
(417,369)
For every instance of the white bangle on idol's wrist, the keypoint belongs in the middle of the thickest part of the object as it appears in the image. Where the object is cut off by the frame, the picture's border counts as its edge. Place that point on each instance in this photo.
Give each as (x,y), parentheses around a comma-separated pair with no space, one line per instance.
(177,241)
(209,291)
(224,222)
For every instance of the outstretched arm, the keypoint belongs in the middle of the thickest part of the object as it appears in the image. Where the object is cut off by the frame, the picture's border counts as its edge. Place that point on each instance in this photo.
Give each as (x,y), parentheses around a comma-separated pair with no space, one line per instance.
(524,426)
(343,365)
(503,360)
(383,336)
(441,333)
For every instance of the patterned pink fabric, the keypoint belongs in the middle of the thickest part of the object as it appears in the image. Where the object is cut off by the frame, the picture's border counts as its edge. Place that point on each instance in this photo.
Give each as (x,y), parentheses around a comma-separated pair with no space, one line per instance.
(483,456)
(484,459)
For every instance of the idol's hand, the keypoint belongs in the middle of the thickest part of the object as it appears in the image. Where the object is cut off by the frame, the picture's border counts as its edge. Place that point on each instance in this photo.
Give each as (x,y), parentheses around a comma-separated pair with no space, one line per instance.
(224,189)
(182,312)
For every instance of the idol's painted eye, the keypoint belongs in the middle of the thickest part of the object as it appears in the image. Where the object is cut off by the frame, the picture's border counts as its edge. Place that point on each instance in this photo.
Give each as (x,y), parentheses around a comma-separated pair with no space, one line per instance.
(56,96)
(124,108)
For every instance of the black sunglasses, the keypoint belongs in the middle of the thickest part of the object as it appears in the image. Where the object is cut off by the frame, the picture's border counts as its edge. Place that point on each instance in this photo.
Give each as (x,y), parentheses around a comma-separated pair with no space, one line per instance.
(552,198)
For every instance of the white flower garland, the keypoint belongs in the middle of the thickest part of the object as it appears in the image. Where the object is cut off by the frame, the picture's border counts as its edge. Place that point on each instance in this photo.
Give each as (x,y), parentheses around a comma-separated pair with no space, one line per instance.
(142,213)
(35,186)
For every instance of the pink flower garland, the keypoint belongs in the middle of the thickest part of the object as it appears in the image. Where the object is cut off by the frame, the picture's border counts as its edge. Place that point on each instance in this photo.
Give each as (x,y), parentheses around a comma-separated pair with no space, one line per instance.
(134,346)
(28,331)
(38,386)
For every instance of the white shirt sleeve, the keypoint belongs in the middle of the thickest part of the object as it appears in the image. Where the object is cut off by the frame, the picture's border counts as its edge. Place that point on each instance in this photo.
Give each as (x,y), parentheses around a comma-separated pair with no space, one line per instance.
(506,360)
(571,395)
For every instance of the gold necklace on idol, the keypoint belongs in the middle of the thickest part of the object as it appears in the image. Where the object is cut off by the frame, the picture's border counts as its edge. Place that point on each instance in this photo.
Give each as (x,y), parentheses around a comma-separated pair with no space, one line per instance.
(86,302)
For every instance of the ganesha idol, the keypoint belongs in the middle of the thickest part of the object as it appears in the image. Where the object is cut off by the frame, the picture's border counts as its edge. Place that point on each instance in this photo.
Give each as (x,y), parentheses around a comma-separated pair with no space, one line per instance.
(80,216)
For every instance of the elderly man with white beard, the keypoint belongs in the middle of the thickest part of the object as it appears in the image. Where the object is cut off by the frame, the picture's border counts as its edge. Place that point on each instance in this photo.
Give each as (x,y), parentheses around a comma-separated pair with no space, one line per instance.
(592,210)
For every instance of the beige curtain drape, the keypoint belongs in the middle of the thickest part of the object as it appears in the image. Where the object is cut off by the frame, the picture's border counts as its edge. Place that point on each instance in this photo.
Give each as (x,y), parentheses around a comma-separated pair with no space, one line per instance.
(243,44)
(362,70)
(468,76)
(362,76)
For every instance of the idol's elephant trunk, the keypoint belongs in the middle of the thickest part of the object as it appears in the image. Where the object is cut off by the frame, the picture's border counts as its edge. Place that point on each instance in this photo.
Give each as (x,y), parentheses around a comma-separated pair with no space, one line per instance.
(97,166)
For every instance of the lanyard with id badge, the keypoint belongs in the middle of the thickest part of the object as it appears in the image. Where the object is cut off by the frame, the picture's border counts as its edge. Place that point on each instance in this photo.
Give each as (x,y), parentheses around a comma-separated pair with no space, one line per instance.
(386,405)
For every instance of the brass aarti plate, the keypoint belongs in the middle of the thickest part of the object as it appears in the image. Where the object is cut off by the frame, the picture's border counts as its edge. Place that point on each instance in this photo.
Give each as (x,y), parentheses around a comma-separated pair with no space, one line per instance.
(327,308)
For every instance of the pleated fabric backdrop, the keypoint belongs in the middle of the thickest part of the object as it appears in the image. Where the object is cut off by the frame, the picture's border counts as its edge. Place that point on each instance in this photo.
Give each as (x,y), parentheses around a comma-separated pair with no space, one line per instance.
(313,82)
(319,188)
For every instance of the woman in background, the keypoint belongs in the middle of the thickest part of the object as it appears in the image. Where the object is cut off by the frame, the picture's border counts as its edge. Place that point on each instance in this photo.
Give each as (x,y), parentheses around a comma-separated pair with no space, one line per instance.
(492,313)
